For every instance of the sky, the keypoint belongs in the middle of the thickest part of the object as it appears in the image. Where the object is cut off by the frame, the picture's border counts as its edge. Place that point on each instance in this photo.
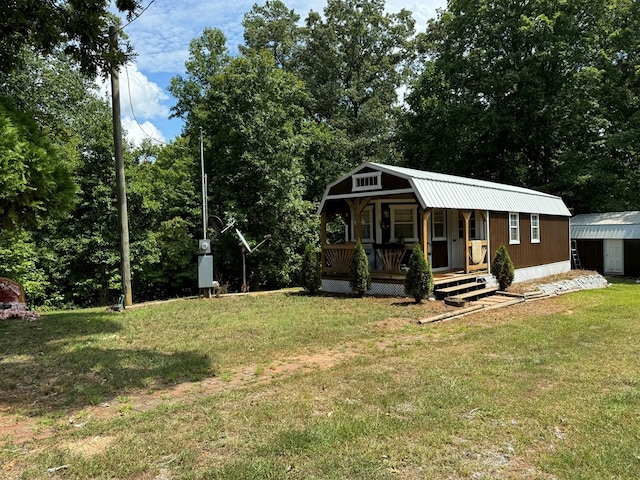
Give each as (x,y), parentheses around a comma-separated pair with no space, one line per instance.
(160,36)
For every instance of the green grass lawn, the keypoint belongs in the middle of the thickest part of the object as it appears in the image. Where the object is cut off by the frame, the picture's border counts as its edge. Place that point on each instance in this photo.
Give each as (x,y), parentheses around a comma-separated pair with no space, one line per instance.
(541,390)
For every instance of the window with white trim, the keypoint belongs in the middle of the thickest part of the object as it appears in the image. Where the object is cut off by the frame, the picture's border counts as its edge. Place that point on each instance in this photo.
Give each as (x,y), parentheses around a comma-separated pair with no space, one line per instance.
(535,228)
(514,228)
(366,181)
(472,226)
(403,223)
(366,225)
(439,224)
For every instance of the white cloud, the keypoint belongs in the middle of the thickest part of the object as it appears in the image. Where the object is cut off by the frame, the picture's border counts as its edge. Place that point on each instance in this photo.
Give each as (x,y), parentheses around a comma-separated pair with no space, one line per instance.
(136,133)
(161,35)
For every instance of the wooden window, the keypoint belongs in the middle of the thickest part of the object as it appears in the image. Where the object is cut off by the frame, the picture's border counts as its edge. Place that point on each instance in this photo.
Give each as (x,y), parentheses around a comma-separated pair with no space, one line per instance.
(439,223)
(403,223)
(514,228)
(366,181)
(535,228)
(472,226)
(366,225)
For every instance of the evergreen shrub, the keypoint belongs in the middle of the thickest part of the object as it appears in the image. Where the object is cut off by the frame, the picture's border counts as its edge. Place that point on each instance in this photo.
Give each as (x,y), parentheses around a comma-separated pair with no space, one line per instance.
(311,270)
(359,274)
(502,268)
(419,280)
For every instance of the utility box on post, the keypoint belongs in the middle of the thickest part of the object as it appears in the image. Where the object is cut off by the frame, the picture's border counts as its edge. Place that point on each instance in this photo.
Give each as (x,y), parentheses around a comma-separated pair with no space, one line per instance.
(205,264)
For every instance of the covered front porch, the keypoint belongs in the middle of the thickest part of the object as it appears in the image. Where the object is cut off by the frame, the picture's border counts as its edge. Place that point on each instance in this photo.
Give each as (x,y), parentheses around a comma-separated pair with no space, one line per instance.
(453,240)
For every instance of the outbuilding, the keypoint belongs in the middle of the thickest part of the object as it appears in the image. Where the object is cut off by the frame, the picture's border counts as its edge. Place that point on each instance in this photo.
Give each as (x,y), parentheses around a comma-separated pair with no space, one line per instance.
(608,242)
(459,222)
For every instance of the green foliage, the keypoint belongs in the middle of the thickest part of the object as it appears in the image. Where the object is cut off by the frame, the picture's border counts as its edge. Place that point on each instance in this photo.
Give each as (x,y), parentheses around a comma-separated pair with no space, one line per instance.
(353,59)
(502,267)
(79,29)
(35,180)
(359,274)
(419,280)
(540,94)
(311,271)
(19,261)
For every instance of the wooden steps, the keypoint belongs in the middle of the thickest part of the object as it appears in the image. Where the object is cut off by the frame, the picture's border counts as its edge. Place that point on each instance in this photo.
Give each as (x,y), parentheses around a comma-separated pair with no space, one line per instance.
(460,289)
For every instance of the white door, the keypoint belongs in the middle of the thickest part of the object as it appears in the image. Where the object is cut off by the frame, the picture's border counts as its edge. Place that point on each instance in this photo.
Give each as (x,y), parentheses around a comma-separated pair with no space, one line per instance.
(456,234)
(613,257)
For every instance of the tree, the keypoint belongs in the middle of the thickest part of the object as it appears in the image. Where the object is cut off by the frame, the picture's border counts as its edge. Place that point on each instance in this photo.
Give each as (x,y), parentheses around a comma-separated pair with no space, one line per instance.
(311,271)
(272,27)
(35,180)
(353,59)
(419,280)
(521,92)
(77,28)
(359,274)
(502,267)
(252,114)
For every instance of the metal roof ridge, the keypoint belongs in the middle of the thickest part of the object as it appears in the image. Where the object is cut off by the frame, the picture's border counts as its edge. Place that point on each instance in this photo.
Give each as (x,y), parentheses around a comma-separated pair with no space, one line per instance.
(456,179)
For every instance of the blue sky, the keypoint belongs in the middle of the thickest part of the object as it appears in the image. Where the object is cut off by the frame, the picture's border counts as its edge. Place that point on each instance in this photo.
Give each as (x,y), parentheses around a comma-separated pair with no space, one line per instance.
(161,36)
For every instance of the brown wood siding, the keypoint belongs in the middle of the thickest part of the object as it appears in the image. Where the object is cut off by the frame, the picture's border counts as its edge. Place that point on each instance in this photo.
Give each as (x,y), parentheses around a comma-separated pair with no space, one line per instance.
(632,257)
(591,254)
(388,182)
(554,239)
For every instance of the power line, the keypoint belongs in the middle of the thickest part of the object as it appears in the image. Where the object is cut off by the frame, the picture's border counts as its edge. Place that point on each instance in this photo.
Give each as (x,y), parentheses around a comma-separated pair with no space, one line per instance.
(138,15)
(150,137)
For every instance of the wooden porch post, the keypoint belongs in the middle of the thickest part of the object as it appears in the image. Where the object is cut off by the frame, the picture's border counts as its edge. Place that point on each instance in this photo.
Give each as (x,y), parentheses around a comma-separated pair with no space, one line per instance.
(323,237)
(424,227)
(466,214)
(359,205)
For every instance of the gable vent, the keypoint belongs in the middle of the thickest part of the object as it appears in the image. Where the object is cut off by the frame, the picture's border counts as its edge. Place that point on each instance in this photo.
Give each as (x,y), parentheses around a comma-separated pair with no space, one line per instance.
(367,181)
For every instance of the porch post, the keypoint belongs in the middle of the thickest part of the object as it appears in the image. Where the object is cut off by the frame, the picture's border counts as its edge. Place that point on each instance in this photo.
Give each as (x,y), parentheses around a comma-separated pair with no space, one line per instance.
(323,237)
(359,206)
(466,214)
(424,228)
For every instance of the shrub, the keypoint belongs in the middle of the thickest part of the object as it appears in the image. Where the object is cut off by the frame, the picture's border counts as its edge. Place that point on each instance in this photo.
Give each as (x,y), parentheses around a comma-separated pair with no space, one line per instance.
(502,268)
(419,280)
(311,270)
(359,275)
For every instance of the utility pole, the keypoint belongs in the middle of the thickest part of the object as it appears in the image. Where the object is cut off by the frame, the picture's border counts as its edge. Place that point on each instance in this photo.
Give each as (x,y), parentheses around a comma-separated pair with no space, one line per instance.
(125,262)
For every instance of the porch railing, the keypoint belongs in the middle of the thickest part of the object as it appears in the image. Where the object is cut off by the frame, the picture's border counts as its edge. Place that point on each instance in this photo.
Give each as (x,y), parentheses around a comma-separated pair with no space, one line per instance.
(477,256)
(337,258)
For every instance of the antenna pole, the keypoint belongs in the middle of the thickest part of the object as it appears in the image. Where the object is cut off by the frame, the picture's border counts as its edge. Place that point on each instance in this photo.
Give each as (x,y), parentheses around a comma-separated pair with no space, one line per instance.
(204,188)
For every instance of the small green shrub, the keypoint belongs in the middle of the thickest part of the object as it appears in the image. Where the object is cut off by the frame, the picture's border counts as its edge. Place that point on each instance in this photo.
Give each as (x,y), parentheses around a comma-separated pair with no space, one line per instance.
(359,274)
(502,268)
(419,280)
(311,270)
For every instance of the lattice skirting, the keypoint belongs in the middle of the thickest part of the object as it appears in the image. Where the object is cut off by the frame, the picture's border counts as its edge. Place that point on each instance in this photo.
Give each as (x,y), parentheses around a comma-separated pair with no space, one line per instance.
(382,289)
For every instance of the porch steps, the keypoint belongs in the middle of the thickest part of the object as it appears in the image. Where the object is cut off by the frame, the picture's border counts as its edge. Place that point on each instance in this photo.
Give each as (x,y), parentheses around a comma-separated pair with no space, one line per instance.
(474,294)
(458,289)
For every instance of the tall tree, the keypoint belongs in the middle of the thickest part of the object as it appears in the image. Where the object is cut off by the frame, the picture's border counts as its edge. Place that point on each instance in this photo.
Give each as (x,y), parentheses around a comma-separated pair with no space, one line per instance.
(35,180)
(252,115)
(273,27)
(514,92)
(353,60)
(79,28)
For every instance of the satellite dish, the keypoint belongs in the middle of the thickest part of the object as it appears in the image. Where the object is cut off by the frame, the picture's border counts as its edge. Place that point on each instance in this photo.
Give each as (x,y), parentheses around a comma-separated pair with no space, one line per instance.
(216,223)
(245,244)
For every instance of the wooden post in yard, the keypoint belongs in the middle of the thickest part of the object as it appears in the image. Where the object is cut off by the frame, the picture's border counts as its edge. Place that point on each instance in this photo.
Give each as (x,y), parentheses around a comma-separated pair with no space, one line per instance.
(125,259)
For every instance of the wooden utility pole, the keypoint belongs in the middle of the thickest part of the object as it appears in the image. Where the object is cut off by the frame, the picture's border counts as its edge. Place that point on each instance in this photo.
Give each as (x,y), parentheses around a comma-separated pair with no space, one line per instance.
(125,262)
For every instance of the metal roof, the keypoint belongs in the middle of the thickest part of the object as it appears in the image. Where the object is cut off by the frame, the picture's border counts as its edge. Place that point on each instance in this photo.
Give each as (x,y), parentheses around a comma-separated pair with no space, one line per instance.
(438,190)
(611,225)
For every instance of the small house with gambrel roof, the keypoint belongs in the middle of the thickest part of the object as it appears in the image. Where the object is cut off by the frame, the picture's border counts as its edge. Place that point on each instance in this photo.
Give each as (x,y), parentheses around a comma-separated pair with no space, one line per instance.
(459,222)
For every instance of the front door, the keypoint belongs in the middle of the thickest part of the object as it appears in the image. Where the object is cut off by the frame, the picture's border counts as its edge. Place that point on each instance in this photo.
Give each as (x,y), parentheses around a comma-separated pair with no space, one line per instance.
(613,256)
(439,245)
